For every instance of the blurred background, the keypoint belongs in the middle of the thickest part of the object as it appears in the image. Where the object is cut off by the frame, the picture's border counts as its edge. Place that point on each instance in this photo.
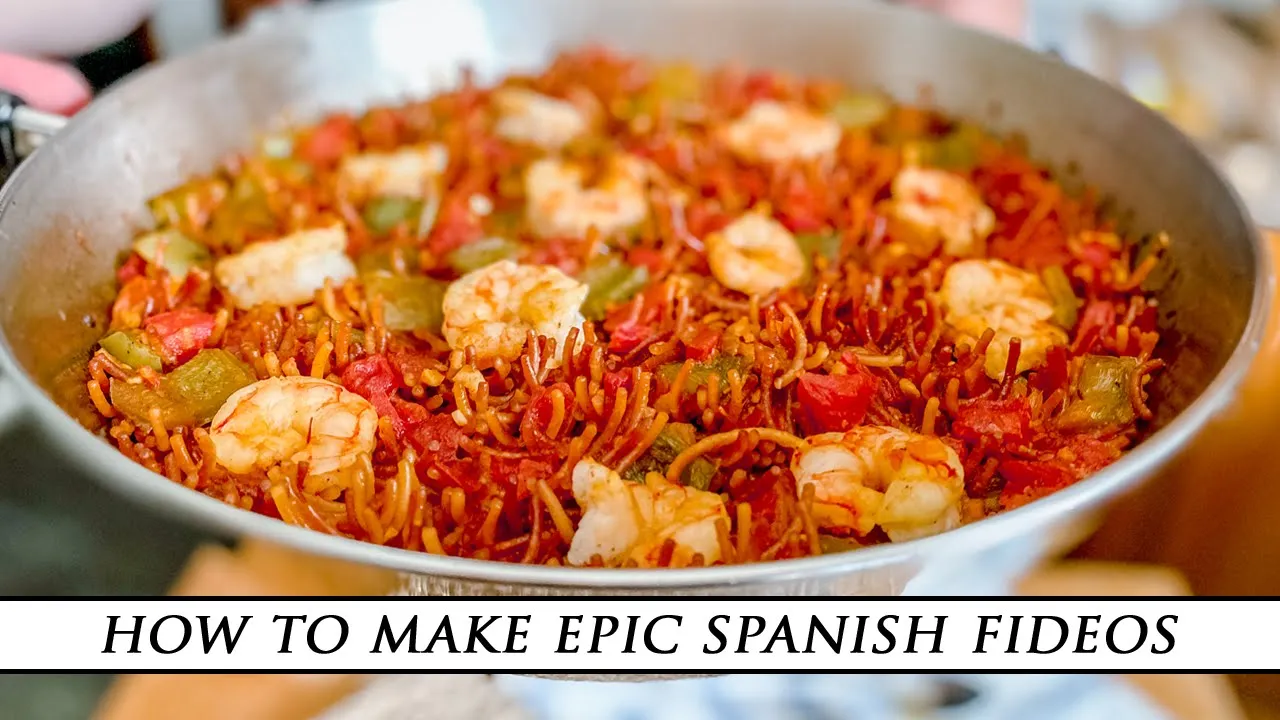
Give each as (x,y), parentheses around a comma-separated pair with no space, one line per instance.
(1212,66)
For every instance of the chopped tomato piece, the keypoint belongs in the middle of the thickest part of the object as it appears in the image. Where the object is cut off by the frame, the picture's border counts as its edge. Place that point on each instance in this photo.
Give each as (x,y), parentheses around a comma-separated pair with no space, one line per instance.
(563,253)
(1003,420)
(647,258)
(407,360)
(135,266)
(373,379)
(1096,255)
(537,419)
(437,438)
(1028,480)
(522,474)
(628,336)
(1147,319)
(704,344)
(702,219)
(642,310)
(763,85)
(1099,313)
(329,141)
(800,208)
(1085,454)
(380,128)
(137,299)
(1098,317)
(834,403)
(613,381)
(1054,374)
(889,392)
(182,333)
(455,226)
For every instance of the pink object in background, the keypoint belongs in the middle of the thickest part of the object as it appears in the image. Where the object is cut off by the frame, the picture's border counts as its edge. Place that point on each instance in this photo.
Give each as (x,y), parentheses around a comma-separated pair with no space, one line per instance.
(59,28)
(50,86)
(66,28)
(1003,17)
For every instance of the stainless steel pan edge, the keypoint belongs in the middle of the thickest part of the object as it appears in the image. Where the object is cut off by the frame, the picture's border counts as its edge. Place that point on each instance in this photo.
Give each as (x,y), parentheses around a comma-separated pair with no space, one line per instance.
(350,55)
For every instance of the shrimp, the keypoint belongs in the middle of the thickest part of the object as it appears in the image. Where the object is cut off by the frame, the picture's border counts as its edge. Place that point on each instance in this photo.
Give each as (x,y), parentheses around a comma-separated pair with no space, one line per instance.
(755,255)
(981,294)
(622,520)
(559,205)
(492,309)
(908,484)
(293,419)
(403,173)
(775,132)
(941,207)
(287,271)
(529,117)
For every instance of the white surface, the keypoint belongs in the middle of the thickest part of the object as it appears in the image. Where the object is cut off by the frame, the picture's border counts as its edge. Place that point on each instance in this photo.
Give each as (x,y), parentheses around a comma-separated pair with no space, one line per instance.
(180,26)
(437,697)
(746,697)
(832,697)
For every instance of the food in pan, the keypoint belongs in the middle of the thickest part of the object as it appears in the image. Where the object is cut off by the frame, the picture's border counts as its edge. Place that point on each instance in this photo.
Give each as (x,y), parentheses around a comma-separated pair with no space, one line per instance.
(630,314)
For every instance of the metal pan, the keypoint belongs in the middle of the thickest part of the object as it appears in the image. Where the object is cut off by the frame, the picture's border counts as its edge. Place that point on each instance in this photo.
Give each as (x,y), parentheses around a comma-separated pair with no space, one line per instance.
(69,210)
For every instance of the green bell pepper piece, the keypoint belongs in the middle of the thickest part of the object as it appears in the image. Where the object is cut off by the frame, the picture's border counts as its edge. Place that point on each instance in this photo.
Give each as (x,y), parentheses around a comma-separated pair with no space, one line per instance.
(674,439)
(860,110)
(1103,388)
(482,253)
(383,214)
(189,395)
(408,302)
(175,252)
(1066,305)
(130,348)
(611,281)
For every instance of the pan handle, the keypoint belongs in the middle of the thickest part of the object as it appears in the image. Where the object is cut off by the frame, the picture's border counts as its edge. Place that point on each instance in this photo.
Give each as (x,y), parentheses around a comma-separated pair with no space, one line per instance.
(22,130)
